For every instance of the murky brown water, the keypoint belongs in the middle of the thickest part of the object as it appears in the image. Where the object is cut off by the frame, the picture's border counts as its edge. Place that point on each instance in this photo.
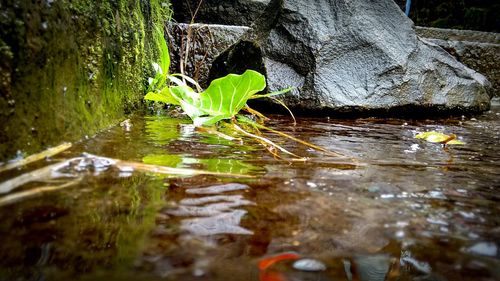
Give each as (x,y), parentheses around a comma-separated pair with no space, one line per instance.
(405,210)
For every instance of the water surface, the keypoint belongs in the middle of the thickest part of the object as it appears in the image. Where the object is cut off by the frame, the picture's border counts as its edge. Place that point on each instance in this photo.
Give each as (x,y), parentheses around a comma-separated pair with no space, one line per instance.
(395,208)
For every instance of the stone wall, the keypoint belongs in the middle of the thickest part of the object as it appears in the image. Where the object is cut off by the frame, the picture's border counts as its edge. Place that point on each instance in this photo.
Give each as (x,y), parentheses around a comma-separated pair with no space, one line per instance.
(477,50)
(71,68)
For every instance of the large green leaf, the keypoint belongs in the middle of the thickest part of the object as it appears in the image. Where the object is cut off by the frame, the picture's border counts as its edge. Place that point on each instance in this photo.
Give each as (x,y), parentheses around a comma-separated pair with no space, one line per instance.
(224,98)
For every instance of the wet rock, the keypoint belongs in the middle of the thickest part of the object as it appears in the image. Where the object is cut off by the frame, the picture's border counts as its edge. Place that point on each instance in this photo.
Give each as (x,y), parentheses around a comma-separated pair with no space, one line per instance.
(353,56)
(372,268)
(309,265)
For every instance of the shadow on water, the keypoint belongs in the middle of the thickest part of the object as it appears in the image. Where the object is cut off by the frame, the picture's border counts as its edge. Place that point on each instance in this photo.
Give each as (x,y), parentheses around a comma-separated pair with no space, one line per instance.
(405,210)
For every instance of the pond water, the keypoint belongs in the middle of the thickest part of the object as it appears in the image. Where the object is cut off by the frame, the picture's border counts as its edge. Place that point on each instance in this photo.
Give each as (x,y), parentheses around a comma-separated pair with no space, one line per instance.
(395,208)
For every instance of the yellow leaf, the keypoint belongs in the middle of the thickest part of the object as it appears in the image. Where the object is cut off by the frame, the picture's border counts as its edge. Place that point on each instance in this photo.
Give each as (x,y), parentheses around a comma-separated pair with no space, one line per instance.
(438,137)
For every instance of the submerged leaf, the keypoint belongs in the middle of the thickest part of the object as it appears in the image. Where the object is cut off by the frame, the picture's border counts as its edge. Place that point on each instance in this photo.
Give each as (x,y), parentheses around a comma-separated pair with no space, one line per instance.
(227,166)
(168,160)
(437,137)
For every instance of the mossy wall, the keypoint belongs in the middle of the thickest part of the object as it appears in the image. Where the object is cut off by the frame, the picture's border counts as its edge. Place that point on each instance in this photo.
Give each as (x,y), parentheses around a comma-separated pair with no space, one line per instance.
(71,68)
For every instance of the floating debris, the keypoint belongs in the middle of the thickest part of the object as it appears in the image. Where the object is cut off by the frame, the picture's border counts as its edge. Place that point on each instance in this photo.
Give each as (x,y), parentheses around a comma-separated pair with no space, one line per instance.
(269,261)
(309,265)
(437,137)
(489,249)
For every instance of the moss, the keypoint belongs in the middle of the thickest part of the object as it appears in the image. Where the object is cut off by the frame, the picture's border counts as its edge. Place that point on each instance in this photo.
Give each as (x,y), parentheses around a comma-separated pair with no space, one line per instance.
(71,68)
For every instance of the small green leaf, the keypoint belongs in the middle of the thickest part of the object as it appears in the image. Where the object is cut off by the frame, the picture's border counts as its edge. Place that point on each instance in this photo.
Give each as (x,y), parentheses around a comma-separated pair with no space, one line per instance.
(164,96)
(276,93)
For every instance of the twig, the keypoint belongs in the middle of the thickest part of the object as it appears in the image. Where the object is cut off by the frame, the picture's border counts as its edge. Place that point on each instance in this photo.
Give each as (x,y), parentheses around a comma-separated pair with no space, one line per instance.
(36,175)
(189,33)
(15,197)
(35,157)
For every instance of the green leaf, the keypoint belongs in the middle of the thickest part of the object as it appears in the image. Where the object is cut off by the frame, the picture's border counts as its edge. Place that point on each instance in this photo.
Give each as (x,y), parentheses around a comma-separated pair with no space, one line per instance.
(437,137)
(224,98)
(276,93)
(164,96)
(161,43)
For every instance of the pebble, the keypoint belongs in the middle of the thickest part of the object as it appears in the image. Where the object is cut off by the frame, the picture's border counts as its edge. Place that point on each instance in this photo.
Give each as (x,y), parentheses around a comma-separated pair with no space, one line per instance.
(309,265)
(484,249)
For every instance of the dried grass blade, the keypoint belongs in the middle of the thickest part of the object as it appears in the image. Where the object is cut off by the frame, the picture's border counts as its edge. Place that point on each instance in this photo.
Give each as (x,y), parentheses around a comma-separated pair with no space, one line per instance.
(269,142)
(319,148)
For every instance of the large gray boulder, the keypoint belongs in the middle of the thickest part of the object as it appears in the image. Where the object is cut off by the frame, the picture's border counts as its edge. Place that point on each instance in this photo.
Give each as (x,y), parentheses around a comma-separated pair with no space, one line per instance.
(361,55)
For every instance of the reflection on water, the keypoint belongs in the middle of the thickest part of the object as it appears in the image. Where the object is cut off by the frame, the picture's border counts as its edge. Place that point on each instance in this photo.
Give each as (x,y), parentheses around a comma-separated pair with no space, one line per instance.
(402,210)
(217,214)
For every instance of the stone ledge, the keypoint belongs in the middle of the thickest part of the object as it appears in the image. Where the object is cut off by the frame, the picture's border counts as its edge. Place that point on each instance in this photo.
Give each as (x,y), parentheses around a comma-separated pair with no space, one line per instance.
(477,50)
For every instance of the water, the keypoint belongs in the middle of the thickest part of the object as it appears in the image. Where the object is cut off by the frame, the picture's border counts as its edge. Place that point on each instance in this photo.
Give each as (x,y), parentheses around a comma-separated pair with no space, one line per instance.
(402,210)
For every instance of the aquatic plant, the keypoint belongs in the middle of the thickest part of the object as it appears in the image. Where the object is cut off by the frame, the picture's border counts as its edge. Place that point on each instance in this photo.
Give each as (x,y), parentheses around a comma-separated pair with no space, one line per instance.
(220,103)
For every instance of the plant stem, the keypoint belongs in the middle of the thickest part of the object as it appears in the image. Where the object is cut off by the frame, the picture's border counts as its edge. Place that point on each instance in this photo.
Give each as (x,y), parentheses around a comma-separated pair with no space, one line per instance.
(238,128)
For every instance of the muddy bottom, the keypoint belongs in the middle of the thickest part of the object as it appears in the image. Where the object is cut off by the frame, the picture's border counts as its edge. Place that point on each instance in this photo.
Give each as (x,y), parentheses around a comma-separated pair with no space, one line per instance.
(393,208)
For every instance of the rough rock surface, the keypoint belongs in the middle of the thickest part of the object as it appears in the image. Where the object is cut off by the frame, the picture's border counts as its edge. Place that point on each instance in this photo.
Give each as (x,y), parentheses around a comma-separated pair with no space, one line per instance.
(477,50)
(354,56)
(206,42)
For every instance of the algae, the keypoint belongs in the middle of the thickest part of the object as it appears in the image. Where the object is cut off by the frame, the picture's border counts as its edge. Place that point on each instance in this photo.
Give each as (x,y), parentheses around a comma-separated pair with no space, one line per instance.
(71,68)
